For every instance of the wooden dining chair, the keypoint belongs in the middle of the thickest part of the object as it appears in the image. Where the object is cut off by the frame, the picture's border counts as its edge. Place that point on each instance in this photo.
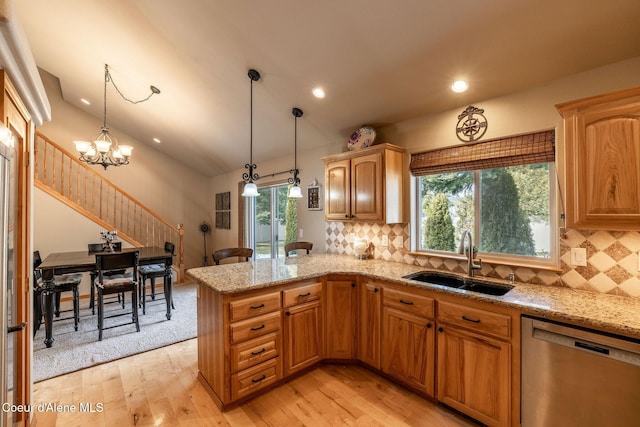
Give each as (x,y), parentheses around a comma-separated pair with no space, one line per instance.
(107,263)
(221,254)
(295,246)
(95,248)
(152,272)
(63,283)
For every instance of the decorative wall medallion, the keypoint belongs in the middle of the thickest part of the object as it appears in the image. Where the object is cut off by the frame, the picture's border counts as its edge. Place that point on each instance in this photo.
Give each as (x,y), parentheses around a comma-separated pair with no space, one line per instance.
(472,124)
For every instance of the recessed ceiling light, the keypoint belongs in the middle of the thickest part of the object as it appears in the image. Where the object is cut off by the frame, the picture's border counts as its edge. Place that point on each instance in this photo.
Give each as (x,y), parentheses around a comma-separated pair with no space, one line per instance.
(318,92)
(157,140)
(459,86)
(85,101)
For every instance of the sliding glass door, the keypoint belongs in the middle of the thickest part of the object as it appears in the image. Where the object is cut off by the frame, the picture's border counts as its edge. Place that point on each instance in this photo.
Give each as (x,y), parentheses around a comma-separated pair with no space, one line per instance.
(271,221)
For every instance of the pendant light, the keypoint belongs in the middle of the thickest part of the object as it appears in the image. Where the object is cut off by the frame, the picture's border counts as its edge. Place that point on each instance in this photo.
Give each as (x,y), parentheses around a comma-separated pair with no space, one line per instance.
(294,190)
(250,188)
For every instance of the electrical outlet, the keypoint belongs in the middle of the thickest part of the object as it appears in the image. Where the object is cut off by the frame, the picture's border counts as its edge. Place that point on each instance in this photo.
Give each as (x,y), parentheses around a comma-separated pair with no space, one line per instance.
(300,232)
(638,261)
(579,257)
(385,241)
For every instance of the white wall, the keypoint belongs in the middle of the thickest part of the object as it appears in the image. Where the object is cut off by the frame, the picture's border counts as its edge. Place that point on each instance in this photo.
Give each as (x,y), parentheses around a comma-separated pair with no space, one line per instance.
(171,189)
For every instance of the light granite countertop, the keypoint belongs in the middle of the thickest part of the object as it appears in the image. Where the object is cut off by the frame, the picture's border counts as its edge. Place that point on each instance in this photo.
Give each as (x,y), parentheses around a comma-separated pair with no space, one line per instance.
(612,313)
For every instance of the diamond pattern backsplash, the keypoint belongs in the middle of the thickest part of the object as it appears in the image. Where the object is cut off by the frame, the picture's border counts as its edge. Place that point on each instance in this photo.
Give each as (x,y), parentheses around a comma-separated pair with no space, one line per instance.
(612,257)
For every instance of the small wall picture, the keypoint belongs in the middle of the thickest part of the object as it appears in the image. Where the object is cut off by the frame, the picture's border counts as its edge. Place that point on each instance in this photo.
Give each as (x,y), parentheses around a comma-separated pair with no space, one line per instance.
(223,220)
(223,201)
(313,198)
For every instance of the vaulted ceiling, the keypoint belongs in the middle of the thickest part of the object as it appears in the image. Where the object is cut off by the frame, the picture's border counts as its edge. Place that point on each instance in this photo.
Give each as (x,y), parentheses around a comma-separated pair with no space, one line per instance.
(379,61)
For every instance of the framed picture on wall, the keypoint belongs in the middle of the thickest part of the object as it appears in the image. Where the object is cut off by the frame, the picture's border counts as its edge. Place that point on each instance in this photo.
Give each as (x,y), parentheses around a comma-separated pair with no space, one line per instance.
(314,199)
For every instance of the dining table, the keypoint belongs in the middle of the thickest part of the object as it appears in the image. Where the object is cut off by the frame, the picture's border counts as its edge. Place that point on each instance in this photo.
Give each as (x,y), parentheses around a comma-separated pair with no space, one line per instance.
(84,261)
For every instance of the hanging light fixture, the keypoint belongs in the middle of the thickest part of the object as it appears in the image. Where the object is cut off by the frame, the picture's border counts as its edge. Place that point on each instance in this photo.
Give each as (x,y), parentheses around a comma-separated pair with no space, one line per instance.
(104,149)
(250,188)
(294,190)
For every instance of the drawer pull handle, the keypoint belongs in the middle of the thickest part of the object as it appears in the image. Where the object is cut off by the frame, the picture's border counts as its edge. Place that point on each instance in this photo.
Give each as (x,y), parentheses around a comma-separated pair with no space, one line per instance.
(257,380)
(255,353)
(470,320)
(257,328)
(255,307)
(304,295)
(406,302)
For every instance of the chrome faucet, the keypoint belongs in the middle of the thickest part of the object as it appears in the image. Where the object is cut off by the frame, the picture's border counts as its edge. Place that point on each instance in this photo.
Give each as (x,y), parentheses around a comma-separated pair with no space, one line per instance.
(470,264)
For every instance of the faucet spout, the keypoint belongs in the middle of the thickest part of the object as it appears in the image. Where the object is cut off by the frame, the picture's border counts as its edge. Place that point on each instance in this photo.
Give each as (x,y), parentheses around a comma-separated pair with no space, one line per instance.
(470,264)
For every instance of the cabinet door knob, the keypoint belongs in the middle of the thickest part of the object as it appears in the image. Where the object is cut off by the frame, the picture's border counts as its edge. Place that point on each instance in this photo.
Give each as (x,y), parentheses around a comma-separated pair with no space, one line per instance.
(375,289)
(288,313)
(440,329)
(346,216)
(428,325)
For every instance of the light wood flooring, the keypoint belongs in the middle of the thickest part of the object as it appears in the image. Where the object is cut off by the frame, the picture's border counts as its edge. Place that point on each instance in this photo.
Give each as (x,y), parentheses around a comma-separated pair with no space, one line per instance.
(160,388)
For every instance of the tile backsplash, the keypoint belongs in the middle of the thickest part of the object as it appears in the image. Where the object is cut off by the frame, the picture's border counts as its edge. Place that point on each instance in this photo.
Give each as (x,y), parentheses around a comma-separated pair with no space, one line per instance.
(612,257)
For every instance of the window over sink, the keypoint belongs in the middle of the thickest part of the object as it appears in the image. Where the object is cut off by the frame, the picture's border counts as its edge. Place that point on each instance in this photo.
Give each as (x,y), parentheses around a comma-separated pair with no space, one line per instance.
(503,191)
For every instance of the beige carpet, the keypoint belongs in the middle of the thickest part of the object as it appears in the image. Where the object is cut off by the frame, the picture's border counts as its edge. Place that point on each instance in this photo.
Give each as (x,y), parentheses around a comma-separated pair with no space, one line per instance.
(73,350)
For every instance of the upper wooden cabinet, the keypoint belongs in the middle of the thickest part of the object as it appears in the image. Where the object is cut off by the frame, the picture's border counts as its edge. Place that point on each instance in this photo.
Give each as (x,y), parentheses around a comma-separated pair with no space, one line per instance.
(365,185)
(602,161)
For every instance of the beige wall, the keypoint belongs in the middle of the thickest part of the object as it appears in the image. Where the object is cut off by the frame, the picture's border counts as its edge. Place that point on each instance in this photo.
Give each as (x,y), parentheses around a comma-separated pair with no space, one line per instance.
(171,189)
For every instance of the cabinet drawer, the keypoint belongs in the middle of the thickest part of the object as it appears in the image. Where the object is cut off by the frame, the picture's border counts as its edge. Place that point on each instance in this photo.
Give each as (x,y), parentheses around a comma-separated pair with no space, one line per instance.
(255,378)
(476,319)
(250,353)
(255,327)
(253,306)
(302,294)
(408,302)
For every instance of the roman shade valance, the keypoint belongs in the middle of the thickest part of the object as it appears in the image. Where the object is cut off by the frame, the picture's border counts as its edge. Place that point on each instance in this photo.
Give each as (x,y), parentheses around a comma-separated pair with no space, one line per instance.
(516,150)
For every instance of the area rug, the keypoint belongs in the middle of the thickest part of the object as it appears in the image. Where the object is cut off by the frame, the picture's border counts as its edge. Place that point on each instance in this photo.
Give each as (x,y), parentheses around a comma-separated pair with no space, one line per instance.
(73,350)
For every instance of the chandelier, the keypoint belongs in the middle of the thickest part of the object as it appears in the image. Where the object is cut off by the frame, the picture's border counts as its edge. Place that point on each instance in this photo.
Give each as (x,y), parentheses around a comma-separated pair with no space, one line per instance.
(104,149)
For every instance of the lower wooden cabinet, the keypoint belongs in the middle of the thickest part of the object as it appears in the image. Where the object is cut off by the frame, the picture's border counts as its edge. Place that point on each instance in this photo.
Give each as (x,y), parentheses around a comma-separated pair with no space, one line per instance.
(478,347)
(369,306)
(463,352)
(474,374)
(340,305)
(302,336)
(408,338)
(408,348)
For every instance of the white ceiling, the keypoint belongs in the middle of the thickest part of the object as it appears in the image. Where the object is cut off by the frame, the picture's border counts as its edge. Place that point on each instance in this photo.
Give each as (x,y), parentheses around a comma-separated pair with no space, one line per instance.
(380,62)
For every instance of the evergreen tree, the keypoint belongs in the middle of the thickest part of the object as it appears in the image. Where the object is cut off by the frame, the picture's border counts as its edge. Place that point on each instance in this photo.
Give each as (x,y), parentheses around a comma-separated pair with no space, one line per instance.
(505,227)
(291,225)
(438,229)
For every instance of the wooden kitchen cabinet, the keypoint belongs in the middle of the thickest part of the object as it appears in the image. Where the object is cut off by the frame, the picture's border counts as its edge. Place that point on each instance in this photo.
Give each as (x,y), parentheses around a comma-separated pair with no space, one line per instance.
(369,312)
(602,161)
(302,324)
(475,372)
(408,339)
(340,318)
(365,185)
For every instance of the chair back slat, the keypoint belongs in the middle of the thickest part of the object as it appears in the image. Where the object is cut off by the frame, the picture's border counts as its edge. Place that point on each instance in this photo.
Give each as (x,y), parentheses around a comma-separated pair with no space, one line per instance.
(221,254)
(116,261)
(294,246)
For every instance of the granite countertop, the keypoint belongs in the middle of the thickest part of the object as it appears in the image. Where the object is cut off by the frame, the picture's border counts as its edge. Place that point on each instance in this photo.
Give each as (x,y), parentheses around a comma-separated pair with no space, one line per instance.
(606,312)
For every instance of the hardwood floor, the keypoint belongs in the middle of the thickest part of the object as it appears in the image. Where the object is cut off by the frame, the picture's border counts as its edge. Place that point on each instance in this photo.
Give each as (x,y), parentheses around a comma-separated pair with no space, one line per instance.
(160,388)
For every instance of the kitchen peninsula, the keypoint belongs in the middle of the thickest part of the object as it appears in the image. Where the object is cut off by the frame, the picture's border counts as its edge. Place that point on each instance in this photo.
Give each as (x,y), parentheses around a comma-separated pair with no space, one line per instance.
(261,322)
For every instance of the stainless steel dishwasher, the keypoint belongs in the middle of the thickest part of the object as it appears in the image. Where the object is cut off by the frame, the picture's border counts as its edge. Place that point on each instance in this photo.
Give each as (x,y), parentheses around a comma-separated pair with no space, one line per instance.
(578,377)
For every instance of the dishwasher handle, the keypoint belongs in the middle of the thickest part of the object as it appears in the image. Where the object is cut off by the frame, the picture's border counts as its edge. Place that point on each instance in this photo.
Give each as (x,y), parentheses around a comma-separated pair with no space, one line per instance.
(591,347)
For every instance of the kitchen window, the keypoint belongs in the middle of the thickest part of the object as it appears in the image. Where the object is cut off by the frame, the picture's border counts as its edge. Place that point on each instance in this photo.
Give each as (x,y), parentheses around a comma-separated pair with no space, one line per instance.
(503,191)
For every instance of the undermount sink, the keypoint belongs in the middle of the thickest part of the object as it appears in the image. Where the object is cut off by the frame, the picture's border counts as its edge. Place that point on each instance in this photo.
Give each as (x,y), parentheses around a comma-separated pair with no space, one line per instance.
(468,284)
